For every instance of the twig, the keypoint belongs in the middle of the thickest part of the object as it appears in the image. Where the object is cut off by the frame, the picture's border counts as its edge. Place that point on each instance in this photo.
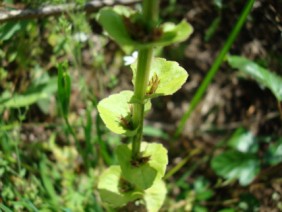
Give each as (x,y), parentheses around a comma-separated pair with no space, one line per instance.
(56,10)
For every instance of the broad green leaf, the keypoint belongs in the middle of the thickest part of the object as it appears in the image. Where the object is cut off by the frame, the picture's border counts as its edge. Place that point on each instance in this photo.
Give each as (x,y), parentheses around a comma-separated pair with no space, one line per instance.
(263,76)
(143,175)
(113,22)
(43,91)
(274,153)
(166,77)
(109,188)
(64,88)
(155,196)
(116,112)
(236,165)
(243,141)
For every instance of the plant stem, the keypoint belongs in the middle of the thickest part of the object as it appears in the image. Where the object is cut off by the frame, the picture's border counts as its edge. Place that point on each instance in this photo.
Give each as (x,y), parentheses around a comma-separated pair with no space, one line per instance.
(141,81)
(145,56)
(151,12)
(213,70)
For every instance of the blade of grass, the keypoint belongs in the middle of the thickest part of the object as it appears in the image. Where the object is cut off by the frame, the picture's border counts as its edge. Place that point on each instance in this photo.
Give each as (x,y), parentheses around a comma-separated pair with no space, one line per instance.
(47,181)
(64,92)
(181,163)
(102,145)
(103,148)
(91,153)
(4,208)
(213,70)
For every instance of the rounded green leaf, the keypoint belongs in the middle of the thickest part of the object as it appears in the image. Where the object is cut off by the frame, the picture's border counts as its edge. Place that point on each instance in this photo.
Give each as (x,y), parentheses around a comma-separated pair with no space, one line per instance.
(116,112)
(236,165)
(114,109)
(112,20)
(243,141)
(166,77)
(155,196)
(151,165)
(109,188)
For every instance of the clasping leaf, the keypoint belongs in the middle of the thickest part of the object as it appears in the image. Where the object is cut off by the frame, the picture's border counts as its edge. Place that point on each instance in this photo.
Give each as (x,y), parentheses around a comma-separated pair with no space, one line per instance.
(109,188)
(143,173)
(166,77)
(116,112)
(115,22)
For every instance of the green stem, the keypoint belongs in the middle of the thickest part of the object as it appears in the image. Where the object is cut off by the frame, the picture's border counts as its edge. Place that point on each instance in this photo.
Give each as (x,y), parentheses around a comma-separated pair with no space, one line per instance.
(141,81)
(151,12)
(145,56)
(213,70)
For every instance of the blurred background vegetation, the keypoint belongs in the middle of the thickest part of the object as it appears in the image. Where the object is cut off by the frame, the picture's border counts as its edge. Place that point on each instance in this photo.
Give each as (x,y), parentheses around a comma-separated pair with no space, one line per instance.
(229,153)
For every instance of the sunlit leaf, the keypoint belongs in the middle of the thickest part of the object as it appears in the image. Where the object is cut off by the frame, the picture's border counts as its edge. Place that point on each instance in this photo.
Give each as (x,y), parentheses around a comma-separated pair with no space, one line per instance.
(166,77)
(236,165)
(116,112)
(155,196)
(109,188)
(263,76)
(150,167)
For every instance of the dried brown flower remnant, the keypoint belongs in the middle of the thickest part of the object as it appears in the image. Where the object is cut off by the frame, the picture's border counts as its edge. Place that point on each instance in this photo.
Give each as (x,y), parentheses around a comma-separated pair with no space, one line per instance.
(138,32)
(153,84)
(125,186)
(140,161)
(126,122)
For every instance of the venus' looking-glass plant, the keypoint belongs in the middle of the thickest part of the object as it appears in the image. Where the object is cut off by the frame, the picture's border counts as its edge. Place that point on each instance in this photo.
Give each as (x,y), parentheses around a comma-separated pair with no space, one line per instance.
(141,164)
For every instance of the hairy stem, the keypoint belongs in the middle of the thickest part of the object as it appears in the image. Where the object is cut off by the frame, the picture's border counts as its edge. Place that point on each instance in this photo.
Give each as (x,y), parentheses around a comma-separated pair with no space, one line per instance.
(145,56)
